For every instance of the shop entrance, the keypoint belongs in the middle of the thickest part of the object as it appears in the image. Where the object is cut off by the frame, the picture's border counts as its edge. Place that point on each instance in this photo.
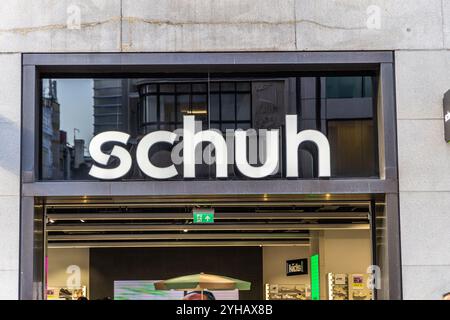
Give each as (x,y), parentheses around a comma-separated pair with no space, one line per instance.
(287,247)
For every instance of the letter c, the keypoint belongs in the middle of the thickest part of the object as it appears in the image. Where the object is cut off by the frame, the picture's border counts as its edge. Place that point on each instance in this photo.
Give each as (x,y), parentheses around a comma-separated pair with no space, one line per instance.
(142,155)
(95,150)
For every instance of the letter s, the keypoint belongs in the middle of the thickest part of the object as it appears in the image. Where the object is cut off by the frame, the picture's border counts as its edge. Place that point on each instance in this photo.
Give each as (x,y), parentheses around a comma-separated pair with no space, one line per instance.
(103,158)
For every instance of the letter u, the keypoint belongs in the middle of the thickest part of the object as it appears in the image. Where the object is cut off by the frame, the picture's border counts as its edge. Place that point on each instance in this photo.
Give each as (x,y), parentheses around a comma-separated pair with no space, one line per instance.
(271,163)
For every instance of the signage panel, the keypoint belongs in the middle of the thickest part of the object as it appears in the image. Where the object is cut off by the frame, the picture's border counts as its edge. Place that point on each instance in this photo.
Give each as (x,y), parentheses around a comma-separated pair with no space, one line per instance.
(296,267)
(203,215)
(447,116)
(191,138)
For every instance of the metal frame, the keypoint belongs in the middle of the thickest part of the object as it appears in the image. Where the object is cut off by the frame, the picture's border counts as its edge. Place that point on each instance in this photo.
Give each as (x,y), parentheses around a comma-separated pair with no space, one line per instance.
(79,64)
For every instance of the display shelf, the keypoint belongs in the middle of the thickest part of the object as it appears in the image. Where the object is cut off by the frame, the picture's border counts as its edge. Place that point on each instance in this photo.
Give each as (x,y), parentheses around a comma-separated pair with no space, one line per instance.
(288,292)
(66,293)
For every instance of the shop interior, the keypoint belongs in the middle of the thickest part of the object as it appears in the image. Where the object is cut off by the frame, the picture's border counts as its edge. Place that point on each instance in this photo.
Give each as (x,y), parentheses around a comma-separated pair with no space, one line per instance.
(286,247)
(290,246)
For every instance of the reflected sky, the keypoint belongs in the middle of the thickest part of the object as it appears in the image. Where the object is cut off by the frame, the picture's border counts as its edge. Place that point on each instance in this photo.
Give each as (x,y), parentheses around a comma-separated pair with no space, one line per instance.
(75,97)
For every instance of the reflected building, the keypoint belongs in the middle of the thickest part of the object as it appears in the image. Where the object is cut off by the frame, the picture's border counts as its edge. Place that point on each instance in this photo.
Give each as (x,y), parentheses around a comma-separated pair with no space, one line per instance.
(342,108)
(52,162)
(115,105)
(60,159)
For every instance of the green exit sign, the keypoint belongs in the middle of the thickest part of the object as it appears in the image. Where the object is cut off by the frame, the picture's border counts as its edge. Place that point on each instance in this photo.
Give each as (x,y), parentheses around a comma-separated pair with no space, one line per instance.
(203,215)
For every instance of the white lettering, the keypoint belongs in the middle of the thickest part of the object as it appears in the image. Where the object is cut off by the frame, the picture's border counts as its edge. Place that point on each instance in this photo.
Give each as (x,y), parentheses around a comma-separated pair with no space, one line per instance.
(192,139)
(271,158)
(245,153)
(95,150)
(293,141)
(142,155)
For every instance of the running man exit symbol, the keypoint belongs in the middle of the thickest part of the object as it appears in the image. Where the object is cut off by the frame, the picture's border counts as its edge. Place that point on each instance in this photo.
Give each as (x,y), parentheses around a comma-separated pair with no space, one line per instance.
(203,216)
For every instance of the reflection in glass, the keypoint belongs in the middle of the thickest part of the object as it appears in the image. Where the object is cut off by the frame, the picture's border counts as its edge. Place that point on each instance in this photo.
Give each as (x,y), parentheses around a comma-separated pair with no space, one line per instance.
(243,107)
(183,106)
(348,87)
(199,108)
(150,108)
(227,105)
(74,110)
(166,108)
(214,108)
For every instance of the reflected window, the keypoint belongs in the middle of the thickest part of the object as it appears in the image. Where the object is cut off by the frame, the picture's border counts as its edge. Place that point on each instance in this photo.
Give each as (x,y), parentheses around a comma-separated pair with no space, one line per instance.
(231,105)
(348,87)
(75,110)
(162,105)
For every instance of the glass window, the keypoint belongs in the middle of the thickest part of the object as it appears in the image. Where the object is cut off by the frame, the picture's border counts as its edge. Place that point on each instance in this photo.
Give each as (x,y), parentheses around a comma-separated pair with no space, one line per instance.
(227,86)
(151,88)
(74,110)
(214,86)
(243,107)
(228,126)
(228,106)
(199,108)
(183,88)
(199,87)
(183,106)
(243,86)
(348,87)
(166,88)
(214,107)
(351,143)
(166,108)
(150,109)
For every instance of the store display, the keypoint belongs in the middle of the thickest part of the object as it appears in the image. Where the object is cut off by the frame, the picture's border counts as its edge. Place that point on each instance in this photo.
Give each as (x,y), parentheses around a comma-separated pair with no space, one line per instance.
(337,286)
(358,289)
(64,293)
(342,286)
(288,292)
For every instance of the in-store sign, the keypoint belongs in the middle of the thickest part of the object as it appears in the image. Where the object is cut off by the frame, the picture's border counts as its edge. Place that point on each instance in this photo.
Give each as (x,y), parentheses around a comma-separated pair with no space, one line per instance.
(203,215)
(296,267)
(192,138)
(447,116)
(315,277)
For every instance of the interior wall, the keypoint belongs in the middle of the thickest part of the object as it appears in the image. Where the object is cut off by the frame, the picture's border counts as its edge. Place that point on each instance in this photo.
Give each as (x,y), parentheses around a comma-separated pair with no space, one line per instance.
(274,264)
(340,252)
(60,259)
(110,264)
(343,251)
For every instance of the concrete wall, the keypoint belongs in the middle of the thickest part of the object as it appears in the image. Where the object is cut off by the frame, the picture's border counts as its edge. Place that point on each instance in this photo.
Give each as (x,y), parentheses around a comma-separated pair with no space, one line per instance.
(418,29)
(343,251)
(422,79)
(10,99)
(222,25)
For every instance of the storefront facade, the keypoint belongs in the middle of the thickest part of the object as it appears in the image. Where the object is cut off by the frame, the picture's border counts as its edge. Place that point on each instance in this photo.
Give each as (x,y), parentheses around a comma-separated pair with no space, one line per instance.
(349,155)
(374,108)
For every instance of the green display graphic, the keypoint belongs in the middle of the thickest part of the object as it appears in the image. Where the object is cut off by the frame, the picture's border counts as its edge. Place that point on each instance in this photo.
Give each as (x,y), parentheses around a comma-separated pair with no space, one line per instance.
(315,278)
(203,216)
